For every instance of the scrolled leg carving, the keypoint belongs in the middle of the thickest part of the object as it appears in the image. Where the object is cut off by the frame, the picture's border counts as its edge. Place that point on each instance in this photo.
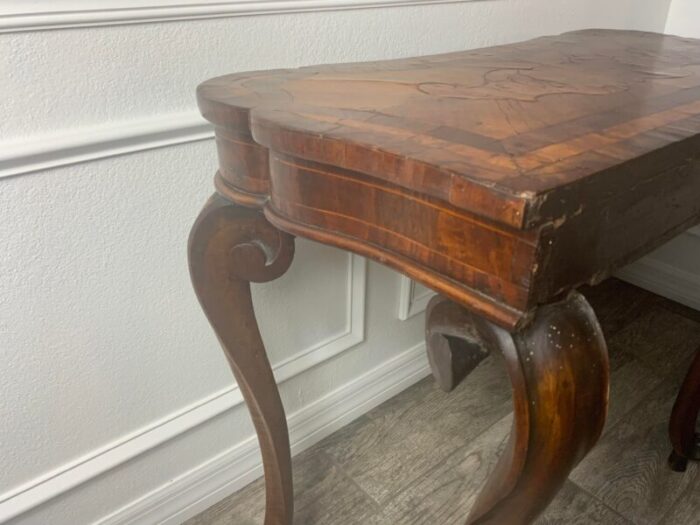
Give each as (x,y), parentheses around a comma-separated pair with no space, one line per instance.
(453,346)
(558,366)
(229,247)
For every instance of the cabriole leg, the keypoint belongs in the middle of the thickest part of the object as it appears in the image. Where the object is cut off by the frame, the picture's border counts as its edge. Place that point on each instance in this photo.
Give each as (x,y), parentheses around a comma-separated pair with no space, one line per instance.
(231,246)
(558,366)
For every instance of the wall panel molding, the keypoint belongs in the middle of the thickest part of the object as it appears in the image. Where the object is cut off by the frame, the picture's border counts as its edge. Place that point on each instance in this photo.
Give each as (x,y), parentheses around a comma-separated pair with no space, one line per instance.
(411,300)
(74,473)
(20,15)
(42,152)
(353,334)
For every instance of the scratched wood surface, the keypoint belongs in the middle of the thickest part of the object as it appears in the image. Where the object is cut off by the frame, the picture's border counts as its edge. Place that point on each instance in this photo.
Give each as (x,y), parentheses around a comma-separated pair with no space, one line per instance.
(482,173)
(404,463)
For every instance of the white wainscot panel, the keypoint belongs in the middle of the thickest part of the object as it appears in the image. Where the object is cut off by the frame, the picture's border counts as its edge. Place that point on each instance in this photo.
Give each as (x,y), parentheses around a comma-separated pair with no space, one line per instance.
(317,308)
(313,313)
(413,298)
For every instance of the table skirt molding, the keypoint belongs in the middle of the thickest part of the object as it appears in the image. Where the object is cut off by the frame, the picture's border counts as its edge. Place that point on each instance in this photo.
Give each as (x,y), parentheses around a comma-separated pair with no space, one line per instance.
(649,273)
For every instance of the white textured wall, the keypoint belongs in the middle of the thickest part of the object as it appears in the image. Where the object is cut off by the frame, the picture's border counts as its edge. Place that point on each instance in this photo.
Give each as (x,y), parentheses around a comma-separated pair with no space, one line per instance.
(684,18)
(116,403)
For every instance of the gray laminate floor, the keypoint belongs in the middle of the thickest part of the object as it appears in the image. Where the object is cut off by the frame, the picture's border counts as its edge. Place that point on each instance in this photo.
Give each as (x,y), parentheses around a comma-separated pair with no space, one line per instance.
(420,458)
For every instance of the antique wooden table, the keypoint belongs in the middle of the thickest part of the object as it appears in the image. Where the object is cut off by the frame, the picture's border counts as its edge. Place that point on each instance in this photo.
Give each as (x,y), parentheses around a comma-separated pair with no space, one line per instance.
(502,178)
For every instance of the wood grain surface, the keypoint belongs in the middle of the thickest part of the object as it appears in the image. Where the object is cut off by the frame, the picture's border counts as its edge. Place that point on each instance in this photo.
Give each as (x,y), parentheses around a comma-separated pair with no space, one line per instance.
(501,177)
(493,131)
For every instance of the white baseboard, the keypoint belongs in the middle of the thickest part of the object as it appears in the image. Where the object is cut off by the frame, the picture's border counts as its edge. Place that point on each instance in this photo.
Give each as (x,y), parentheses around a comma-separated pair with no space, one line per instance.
(231,470)
(664,279)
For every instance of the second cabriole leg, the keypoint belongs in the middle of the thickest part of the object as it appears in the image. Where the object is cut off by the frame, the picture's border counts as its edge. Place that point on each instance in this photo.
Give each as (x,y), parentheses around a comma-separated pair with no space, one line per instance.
(452,344)
(558,366)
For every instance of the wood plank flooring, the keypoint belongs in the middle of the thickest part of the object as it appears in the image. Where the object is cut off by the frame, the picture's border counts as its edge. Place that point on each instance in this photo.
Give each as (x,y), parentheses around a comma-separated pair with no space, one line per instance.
(421,457)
